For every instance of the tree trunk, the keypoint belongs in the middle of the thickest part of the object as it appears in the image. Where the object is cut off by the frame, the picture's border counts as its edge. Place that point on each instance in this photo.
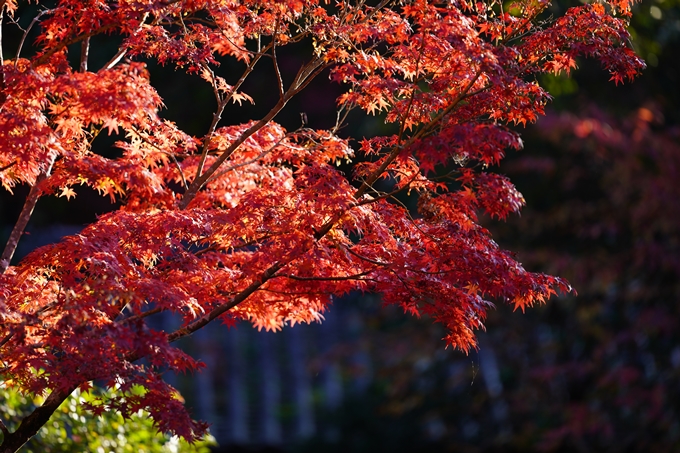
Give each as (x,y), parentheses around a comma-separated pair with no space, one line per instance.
(30,425)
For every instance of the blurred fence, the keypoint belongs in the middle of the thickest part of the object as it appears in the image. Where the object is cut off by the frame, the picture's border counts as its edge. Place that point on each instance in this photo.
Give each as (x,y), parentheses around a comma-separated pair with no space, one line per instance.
(266,388)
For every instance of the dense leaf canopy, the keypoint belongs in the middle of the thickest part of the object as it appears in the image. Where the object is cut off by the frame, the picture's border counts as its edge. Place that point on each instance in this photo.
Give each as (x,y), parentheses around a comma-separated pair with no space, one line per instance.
(250,220)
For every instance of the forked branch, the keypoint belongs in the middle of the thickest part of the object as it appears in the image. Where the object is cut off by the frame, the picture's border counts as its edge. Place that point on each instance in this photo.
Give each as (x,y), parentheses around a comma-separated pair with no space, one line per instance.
(304,76)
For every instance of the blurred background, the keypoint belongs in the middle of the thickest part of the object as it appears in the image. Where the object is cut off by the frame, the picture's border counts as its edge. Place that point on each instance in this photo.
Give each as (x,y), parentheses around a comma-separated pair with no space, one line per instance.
(596,372)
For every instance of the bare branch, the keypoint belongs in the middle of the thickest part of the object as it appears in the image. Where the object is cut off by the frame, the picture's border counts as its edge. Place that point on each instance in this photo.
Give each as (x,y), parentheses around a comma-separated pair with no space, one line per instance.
(116,58)
(221,309)
(217,116)
(22,221)
(142,315)
(24,217)
(2,56)
(122,51)
(347,277)
(305,75)
(341,116)
(33,422)
(277,70)
(23,37)
(8,166)
(84,52)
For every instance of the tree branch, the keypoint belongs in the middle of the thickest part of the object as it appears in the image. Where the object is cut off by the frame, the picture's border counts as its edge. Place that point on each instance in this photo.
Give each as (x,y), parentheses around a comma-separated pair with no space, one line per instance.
(2,56)
(84,52)
(142,315)
(8,166)
(33,422)
(304,76)
(277,71)
(363,258)
(221,105)
(19,226)
(346,277)
(217,311)
(23,37)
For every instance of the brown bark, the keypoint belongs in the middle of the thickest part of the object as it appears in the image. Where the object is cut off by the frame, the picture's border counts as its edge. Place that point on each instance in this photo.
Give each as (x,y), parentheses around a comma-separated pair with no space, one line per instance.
(30,425)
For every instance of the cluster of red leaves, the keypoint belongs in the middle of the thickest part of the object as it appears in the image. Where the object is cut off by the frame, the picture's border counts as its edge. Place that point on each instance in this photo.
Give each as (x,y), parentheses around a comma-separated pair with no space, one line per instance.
(254,222)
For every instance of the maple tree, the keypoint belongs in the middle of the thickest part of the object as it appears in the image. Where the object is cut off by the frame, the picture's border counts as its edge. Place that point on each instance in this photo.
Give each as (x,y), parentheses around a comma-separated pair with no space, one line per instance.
(251,221)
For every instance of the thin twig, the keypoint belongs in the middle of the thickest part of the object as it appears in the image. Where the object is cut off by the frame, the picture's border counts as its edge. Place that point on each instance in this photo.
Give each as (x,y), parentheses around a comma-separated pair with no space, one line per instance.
(217,116)
(2,56)
(116,58)
(213,82)
(347,277)
(341,116)
(303,78)
(248,162)
(123,50)
(361,257)
(8,166)
(179,168)
(299,293)
(23,38)
(142,315)
(277,71)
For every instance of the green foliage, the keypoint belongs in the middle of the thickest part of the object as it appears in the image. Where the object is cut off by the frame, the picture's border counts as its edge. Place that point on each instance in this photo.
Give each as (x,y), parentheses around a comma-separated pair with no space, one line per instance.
(559,85)
(72,428)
